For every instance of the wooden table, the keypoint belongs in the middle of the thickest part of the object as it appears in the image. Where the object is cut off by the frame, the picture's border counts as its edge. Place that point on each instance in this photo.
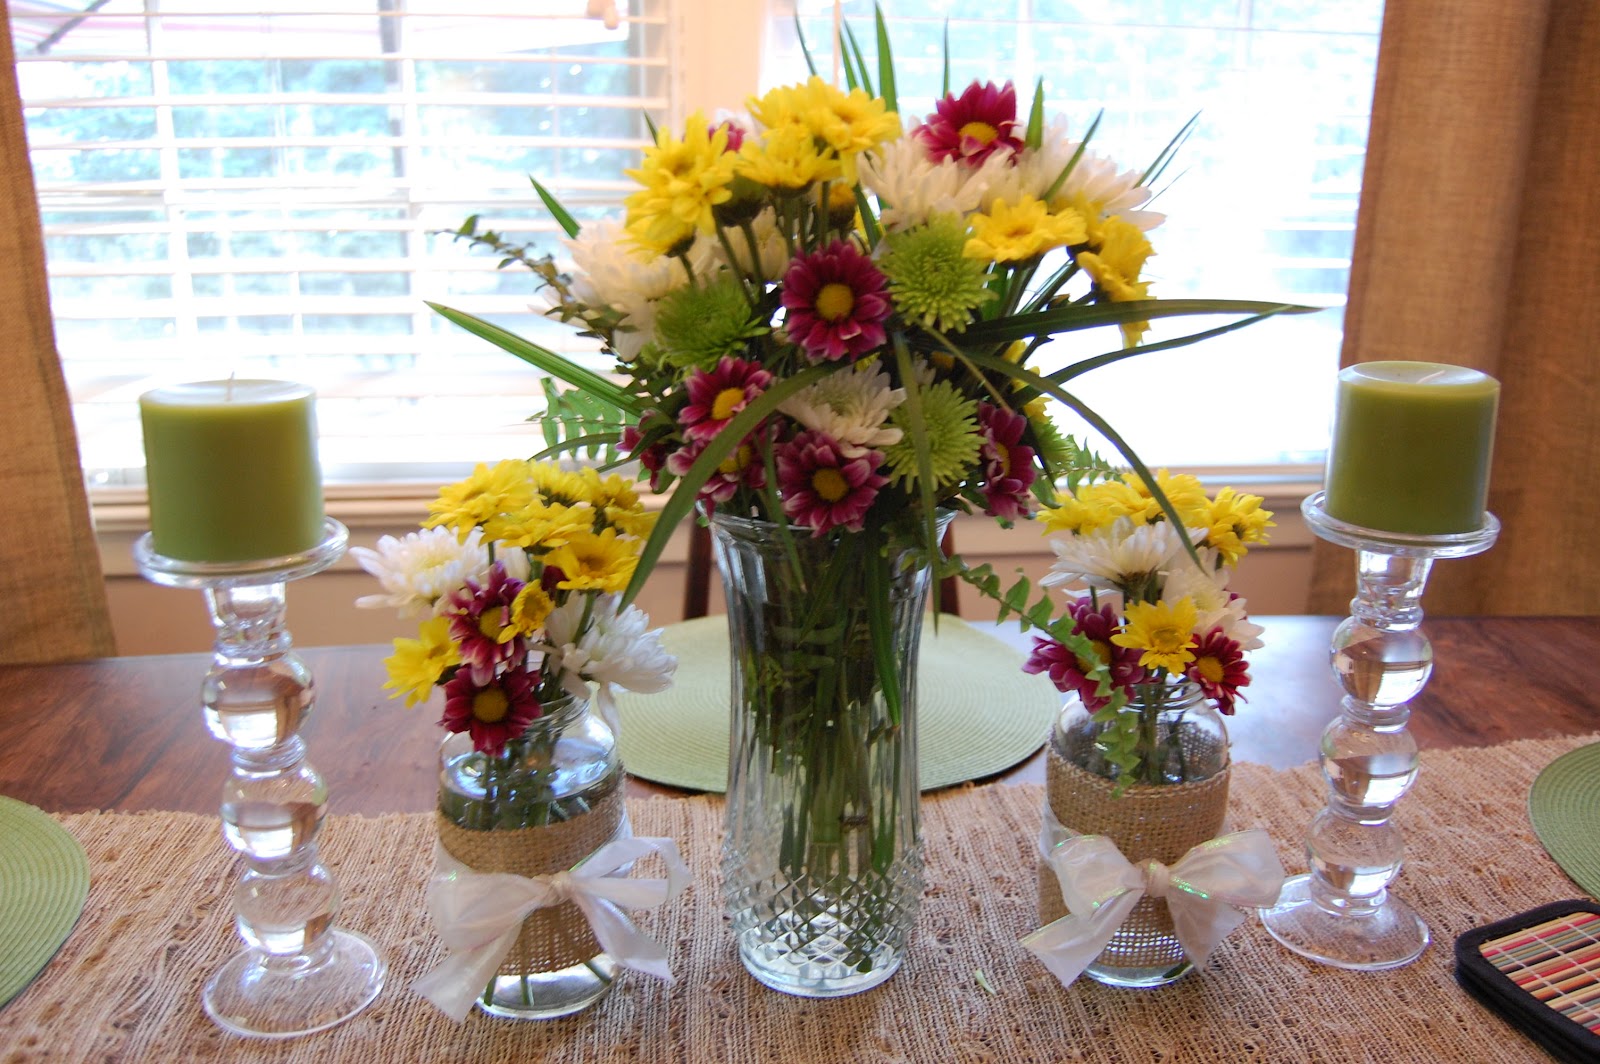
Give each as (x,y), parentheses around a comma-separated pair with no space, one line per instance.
(125,734)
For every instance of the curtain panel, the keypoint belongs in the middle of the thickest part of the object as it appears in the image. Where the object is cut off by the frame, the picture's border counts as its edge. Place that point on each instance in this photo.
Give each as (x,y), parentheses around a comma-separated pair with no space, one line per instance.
(1478,243)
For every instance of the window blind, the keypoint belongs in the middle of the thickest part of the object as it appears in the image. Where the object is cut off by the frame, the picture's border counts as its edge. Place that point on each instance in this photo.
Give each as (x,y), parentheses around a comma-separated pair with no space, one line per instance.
(260,190)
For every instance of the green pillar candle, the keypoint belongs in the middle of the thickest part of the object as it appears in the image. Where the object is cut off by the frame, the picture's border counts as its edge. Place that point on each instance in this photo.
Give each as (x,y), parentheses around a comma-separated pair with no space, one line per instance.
(1411,447)
(232,469)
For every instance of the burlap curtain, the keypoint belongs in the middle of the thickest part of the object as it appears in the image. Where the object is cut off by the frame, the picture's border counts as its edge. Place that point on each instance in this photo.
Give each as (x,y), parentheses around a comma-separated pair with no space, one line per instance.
(50,578)
(1478,243)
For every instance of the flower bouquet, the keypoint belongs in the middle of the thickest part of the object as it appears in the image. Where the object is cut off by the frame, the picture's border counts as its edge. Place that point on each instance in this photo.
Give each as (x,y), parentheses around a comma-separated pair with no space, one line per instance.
(832,332)
(1151,649)
(515,578)
(1156,614)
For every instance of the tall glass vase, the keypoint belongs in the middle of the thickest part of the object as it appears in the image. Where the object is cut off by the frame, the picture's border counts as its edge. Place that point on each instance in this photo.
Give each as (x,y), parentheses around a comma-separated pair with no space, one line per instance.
(822,862)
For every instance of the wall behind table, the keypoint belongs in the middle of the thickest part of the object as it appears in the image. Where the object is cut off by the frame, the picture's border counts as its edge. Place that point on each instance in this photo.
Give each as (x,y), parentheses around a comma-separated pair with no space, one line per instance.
(157,620)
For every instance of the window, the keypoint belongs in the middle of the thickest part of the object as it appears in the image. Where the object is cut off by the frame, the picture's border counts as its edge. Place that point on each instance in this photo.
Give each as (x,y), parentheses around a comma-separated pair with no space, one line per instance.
(262,192)
(1261,202)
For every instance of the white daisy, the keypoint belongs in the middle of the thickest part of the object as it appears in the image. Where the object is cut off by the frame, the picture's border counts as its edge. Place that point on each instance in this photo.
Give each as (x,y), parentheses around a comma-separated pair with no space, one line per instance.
(774,253)
(1233,622)
(1204,584)
(1118,557)
(422,567)
(614,650)
(610,270)
(911,187)
(1094,177)
(852,407)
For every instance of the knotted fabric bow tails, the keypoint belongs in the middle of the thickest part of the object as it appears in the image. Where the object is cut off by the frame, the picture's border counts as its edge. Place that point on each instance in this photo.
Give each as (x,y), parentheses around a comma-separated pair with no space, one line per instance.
(479,915)
(1100,887)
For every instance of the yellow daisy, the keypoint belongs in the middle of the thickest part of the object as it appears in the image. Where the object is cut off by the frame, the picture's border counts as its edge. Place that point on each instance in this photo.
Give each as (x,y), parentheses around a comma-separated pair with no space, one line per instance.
(1235,522)
(417,664)
(1183,490)
(529,610)
(592,561)
(485,494)
(539,525)
(1163,631)
(1115,265)
(786,158)
(681,180)
(1026,230)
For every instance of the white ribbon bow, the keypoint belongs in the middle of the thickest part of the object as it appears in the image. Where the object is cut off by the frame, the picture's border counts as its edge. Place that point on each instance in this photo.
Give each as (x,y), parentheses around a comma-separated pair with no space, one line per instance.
(479,915)
(1101,887)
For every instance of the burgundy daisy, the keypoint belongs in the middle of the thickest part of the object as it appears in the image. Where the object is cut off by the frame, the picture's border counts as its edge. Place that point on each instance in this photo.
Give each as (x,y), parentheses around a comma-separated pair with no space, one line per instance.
(972,126)
(1069,672)
(1220,669)
(822,489)
(478,614)
(717,395)
(494,712)
(836,303)
(1008,466)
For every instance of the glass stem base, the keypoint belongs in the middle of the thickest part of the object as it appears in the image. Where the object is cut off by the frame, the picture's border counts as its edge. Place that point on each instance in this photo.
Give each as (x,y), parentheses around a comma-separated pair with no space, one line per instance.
(1388,935)
(259,996)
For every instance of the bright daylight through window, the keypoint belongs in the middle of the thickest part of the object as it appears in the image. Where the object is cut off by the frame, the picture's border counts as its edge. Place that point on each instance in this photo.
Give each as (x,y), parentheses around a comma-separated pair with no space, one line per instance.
(261,193)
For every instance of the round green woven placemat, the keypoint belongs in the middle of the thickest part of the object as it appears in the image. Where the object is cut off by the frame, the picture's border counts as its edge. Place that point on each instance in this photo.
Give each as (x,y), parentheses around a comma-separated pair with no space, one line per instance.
(1564,806)
(44,879)
(979,713)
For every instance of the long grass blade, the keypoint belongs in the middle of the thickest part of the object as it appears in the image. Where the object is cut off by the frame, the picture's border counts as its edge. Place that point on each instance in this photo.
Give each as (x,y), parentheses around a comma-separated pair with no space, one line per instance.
(1074,318)
(805,49)
(556,365)
(863,80)
(568,223)
(1077,369)
(1167,154)
(886,84)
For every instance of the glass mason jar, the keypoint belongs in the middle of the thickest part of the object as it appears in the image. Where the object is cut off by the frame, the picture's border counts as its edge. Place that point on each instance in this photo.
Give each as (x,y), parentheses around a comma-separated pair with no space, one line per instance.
(1173,799)
(546,802)
(822,861)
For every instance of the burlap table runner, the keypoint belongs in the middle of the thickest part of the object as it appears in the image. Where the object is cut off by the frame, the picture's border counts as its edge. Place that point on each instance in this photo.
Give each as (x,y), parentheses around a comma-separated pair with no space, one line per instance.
(126,984)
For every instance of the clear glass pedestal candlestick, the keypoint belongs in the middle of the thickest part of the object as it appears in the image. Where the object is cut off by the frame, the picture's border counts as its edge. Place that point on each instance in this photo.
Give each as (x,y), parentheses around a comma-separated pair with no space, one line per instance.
(298,973)
(1342,913)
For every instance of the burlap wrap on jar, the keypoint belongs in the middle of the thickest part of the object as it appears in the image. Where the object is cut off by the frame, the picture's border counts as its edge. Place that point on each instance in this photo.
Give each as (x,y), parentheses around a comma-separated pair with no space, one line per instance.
(1147,822)
(557,937)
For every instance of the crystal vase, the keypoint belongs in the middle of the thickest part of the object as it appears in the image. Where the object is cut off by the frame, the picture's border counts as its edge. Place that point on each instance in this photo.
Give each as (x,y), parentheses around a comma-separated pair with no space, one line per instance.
(547,801)
(822,862)
(1175,798)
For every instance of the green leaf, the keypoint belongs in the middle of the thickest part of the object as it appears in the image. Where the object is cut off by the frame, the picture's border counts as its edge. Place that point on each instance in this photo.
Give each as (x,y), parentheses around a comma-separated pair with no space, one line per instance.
(869,220)
(1168,153)
(880,624)
(945,83)
(1074,318)
(1035,135)
(568,223)
(1079,368)
(862,80)
(717,451)
(805,49)
(919,439)
(594,444)
(650,124)
(886,85)
(1083,146)
(547,360)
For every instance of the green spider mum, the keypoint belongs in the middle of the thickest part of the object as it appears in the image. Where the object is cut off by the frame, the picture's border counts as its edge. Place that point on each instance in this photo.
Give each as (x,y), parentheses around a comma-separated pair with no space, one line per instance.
(697,325)
(931,282)
(949,421)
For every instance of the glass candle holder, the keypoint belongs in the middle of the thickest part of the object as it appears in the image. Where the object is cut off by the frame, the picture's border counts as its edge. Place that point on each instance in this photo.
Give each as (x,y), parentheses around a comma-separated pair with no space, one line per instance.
(298,973)
(1341,912)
